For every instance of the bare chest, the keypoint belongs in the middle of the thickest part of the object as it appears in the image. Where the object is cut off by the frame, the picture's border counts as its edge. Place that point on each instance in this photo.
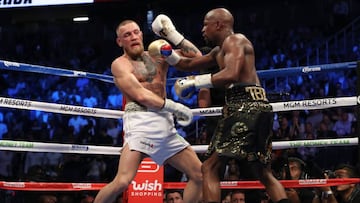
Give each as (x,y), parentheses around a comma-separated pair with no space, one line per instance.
(146,70)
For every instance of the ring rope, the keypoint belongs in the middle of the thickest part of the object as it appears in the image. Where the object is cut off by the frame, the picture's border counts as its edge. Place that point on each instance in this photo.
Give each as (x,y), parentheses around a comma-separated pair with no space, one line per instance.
(57,186)
(108,150)
(213,111)
(15,66)
(59,108)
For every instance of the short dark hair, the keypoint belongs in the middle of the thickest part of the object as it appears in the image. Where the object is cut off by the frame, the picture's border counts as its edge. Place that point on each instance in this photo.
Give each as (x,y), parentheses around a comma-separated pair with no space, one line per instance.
(237,191)
(299,161)
(173,191)
(351,170)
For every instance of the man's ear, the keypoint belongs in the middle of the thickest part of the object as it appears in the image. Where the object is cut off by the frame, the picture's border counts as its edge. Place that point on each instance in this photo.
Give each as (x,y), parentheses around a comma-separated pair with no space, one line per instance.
(118,41)
(218,25)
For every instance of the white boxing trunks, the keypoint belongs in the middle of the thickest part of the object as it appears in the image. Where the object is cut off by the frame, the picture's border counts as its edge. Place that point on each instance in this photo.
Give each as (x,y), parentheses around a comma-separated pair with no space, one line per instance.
(152,133)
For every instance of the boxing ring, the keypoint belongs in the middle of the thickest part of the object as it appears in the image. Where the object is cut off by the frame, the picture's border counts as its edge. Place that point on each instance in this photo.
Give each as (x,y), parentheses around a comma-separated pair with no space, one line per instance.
(25,146)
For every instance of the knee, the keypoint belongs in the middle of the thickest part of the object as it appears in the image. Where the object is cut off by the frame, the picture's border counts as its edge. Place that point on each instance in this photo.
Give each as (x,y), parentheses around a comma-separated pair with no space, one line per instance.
(196,176)
(120,184)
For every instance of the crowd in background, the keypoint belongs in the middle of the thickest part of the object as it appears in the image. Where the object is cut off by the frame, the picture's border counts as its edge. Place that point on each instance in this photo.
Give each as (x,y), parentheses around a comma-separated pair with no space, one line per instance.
(71,47)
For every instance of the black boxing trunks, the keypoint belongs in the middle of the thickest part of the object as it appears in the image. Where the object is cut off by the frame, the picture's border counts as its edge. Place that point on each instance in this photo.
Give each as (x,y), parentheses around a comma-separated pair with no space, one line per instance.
(245,128)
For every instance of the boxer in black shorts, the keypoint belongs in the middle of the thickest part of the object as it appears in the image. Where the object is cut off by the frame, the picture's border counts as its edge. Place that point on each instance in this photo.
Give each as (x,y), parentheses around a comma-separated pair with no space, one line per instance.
(244,132)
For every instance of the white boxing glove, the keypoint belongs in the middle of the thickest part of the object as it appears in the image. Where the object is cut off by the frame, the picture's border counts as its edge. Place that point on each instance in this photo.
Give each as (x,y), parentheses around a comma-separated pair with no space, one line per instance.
(163,48)
(163,27)
(185,87)
(182,113)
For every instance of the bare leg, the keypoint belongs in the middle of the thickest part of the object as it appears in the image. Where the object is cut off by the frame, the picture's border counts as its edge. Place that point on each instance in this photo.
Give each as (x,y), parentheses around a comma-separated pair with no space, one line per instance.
(272,186)
(188,162)
(128,165)
(211,183)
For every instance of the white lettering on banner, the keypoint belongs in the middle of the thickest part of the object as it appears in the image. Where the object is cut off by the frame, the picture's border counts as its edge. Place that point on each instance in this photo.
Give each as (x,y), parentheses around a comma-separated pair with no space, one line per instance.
(79,73)
(27,3)
(142,194)
(8,63)
(4,143)
(79,147)
(310,103)
(210,111)
(312,181)
(15,102)
(81,185)
(229,183)
(308,69)
(15,184)
(77,109)
(147,186)
(358,99)
(311,143)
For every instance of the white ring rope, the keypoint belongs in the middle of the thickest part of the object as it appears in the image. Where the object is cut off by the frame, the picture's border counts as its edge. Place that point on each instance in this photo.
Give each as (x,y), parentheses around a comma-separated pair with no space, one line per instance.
(214,111)
(108,150)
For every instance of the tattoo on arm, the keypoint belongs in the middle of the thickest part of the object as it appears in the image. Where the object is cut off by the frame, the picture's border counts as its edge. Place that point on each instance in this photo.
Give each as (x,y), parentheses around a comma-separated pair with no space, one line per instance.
(189,49)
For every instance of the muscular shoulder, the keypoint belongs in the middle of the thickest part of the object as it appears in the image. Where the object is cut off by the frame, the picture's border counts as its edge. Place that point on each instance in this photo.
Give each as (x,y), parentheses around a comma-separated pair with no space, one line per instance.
(236,38)
(119,65)
(236,41)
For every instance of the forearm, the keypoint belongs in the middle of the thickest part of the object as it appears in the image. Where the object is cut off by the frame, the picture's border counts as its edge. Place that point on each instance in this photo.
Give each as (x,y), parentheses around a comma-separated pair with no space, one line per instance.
(147,98)
(188,49)
(195,63)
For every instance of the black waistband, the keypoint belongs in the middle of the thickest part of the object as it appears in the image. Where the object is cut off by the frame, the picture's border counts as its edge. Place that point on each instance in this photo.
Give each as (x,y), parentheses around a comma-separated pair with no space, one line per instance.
(245,92)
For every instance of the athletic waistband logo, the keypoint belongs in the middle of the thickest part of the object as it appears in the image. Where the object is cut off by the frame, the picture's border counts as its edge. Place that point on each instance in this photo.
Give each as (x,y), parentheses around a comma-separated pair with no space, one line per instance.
(257,93)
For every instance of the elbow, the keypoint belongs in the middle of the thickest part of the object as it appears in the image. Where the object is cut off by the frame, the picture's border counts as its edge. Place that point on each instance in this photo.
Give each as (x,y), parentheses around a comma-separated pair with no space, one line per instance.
(139,98)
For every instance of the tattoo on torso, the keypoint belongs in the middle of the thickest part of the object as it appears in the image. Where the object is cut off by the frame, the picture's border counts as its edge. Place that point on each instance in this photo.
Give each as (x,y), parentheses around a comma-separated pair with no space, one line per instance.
(145,68)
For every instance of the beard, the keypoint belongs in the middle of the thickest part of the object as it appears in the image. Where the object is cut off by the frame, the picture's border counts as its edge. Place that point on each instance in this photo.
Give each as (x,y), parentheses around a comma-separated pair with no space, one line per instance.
(135,52)
(209,43)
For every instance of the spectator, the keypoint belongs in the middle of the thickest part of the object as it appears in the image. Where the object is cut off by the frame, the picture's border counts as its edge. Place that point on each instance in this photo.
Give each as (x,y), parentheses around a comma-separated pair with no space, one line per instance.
(6,166)
(78,122)
(3,127)
(232,172)
(324,131)
(90,100)
(238,196)
(342,127)
(308,152)
(115,99)
(296,170)
(345,193)
(174,196)
(297,126)
(227,198)
(114,130)
(315,116)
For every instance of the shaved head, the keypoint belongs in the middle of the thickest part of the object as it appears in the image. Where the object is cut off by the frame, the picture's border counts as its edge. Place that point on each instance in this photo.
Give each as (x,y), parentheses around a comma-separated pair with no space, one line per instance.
(222,15)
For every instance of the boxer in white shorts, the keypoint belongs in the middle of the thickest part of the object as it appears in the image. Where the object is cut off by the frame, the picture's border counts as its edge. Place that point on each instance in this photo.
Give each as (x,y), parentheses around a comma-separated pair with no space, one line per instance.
(148,120)
(152,133)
